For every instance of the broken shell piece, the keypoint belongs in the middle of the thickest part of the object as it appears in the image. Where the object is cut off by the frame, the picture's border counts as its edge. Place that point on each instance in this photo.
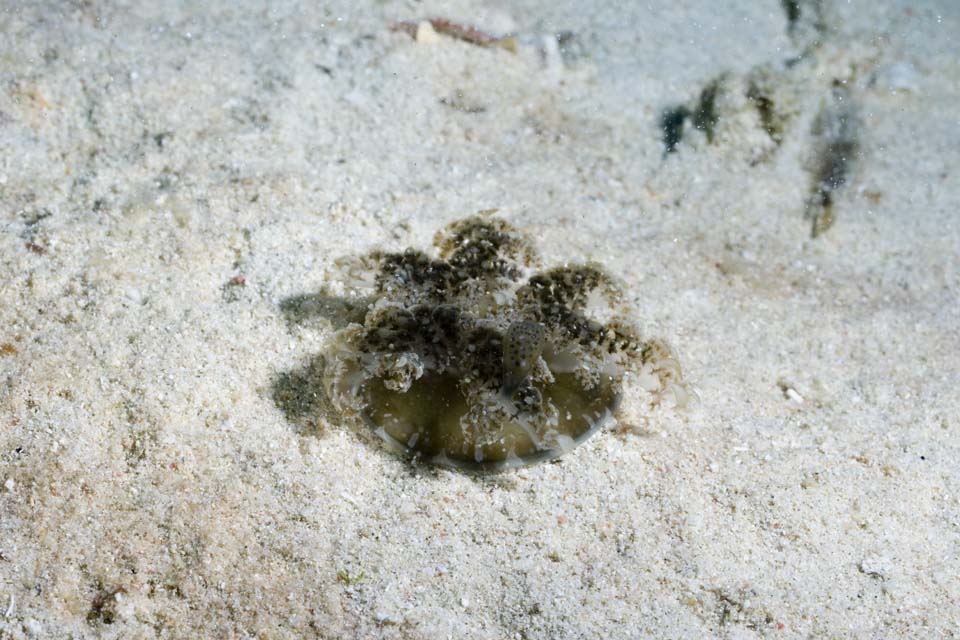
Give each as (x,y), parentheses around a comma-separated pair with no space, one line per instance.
(445,369)
(425,33)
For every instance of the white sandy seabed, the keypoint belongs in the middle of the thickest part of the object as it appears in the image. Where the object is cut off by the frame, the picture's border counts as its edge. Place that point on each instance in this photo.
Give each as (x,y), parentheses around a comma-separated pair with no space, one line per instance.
(171,179)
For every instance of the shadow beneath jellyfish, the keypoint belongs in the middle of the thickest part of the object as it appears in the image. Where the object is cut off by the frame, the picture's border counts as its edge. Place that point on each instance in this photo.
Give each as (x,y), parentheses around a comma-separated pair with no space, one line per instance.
(299,393)
(337,310)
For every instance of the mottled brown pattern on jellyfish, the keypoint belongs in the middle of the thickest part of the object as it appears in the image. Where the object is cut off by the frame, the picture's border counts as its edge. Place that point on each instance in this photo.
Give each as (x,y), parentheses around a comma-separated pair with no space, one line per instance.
(478,247)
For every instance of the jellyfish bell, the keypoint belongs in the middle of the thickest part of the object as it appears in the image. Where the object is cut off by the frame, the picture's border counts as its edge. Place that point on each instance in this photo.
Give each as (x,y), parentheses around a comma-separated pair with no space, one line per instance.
(445,371)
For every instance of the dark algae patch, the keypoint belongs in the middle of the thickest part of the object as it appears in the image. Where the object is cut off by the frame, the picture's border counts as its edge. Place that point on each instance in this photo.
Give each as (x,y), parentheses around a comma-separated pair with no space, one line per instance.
(703,116)
(760,93)
(471,357)
(671,124)
(836,146)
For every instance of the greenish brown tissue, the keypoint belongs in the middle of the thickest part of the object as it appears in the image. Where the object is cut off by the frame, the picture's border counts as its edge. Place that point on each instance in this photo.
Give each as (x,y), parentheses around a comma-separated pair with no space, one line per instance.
(473,359)
(522,346)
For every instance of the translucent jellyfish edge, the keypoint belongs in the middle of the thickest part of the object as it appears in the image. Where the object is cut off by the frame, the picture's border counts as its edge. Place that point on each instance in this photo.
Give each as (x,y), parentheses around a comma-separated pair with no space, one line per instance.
(442,460)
